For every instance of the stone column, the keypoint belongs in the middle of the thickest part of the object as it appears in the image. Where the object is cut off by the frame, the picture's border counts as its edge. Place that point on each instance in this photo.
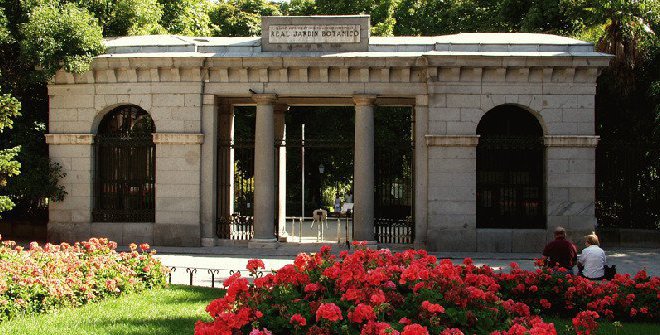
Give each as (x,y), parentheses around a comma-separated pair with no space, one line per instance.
(363,218)
(264,174)
(421,115)
(280,138)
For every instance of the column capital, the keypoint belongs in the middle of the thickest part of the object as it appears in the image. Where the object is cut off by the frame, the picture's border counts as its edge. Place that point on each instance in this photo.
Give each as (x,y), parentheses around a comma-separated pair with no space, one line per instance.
(265,98)
(364,99)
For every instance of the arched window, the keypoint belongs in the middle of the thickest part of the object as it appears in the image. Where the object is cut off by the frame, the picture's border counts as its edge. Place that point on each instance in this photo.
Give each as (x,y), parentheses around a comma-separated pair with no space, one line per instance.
(510,172)
(125,167)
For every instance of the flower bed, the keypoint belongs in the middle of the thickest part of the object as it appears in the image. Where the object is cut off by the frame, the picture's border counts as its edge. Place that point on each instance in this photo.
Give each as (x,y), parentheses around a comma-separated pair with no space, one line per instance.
(46,277)
(625,298)
(379,292)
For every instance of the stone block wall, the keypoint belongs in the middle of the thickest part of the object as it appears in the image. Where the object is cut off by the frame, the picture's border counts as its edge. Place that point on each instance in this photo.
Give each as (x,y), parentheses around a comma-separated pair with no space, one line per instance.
(77,108)
(177,189)
(452,93)
(561,98)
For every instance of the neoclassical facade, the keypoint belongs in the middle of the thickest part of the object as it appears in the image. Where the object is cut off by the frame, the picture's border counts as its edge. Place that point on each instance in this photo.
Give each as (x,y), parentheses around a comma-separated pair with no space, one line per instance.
(472,95)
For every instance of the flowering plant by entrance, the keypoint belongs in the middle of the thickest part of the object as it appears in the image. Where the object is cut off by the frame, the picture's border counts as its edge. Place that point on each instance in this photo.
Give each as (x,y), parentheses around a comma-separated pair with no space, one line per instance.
(379,292)
(369,292)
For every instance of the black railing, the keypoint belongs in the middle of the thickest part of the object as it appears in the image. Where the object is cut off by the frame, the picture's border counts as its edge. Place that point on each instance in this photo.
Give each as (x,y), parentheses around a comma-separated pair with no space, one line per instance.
(510,178)
(628,184)
(394,189)
(235,227)
(125,168)
(394,231)
(194,276)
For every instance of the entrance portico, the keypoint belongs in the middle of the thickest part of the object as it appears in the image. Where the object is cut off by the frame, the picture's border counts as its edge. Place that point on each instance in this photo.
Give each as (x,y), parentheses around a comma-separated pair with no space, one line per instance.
(270,124)
(189,87)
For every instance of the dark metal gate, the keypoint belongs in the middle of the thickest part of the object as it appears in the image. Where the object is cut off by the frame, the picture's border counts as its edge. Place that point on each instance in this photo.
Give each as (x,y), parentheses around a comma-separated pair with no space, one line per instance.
(393,212)
(239,224)
(628,183)
(510,182)
(393,176)
(126,165)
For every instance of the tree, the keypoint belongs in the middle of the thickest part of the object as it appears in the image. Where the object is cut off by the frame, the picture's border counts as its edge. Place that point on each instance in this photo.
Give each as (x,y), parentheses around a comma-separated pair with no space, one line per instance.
(186,17)
(39,37)
(241,17)
(432,17)
(65,37)
(381,12)
(126,17)
(9,108)
(298,7)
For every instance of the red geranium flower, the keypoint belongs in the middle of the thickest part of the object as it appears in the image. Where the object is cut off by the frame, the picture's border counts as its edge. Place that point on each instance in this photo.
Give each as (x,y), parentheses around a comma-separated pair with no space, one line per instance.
(362,313)
(298,320)
(415,329)
(329,311)
(253,265)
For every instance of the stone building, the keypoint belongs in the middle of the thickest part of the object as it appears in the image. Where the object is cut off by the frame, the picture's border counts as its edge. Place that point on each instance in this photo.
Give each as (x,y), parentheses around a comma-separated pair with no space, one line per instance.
(473,96)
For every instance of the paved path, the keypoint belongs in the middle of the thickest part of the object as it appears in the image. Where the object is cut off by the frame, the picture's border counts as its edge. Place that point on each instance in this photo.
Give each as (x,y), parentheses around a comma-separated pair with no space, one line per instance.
(227,259)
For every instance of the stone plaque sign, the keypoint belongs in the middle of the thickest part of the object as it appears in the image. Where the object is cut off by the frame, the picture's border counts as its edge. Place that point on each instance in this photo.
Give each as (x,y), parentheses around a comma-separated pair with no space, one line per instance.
(315,33)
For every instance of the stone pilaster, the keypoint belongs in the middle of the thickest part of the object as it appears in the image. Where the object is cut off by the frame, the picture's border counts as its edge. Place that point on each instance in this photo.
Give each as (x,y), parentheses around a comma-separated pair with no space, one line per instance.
(70,219)
(178,198)
(452,192)
(571,183)
(209,168)
(264,173)
(421,115)
(363,221)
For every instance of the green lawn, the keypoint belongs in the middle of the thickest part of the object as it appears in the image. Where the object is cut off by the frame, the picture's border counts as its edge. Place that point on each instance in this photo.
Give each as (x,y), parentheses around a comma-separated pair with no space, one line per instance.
(606,328)
(175,311)
(164,311)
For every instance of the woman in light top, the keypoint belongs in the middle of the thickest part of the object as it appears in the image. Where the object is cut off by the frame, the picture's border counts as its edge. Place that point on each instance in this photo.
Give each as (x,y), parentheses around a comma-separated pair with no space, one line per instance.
(592,259)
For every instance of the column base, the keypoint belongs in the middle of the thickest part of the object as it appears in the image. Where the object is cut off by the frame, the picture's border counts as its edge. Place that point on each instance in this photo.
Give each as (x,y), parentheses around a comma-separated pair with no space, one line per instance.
(263,243)
(208,242)
(373,245)
(283,238)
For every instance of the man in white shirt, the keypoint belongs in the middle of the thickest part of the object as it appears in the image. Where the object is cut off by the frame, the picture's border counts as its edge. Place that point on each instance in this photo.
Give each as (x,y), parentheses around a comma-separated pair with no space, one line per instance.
(592,259)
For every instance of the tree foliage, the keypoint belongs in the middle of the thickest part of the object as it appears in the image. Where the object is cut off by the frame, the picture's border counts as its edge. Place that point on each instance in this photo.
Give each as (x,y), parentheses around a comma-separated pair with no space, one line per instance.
(126,17)
(38,37)
(241,17)
(9,109)
(186,17)
(64,36)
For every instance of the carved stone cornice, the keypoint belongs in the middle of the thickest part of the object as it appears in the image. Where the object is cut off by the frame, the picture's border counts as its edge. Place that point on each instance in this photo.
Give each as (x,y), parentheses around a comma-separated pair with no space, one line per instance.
(452,140)
(571,141)
(178,138)
(70,139)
